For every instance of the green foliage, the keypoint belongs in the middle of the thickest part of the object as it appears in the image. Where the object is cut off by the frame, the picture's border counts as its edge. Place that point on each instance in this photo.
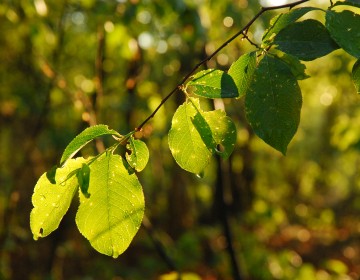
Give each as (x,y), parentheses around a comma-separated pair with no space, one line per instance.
(306,40)
(213,84)
(137,155)
(273,103)
(344,28)
(242,71)
(85,137)
(51,201)
(196,135)
(111,197)
(112,215)
(281,21)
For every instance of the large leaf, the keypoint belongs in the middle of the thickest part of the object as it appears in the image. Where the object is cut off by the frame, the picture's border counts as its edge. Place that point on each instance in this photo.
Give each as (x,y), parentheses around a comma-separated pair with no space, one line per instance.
(213,84)
(242,71)
(280,21)
(85,137)
(137,155)
(306,40)
(356,75)
(273,103)
(112,215)
(51,201)
(196,135)
(344,28)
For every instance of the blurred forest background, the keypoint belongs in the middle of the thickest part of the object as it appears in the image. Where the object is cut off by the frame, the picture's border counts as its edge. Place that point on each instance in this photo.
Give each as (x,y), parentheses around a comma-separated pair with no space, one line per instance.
(68,64)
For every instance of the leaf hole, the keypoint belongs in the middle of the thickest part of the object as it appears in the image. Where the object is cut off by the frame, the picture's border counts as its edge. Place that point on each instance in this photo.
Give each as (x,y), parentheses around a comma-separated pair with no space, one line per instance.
(41,231)
(220,148)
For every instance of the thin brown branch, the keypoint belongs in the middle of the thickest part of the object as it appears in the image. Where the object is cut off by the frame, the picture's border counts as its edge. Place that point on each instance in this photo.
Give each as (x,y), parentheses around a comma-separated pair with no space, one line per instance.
(241,32)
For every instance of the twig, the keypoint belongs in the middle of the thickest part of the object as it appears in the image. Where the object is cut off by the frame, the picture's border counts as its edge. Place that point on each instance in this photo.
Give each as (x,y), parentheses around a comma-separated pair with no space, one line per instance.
(241,32)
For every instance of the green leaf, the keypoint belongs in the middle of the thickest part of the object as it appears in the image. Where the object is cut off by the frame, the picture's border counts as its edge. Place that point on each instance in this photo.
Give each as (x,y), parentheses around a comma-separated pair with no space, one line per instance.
(112,215)
(213,84)
(356,75)
(281,21)
(354,3)
(296,67)
(196,135)
(307,40)
(273,103)
(344,28)
(242,71)
(185,143)
(51,201)
(83,176)
(138,155)
(85,137)
(223,132)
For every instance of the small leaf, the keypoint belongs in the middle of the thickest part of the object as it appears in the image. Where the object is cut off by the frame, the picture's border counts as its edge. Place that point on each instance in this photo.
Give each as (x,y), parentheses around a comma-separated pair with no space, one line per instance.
(196,135)
(296,67)
(273,103)
(112,215)
(138,155)
(356,75)
(51,174)
(213,84)
(51,201)
(281,21)
(307,40)
(242,71)
(83,176)
(84,138)
(344,28)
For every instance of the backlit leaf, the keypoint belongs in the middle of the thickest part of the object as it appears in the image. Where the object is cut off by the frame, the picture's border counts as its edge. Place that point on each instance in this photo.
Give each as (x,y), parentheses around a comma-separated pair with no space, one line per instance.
(356,75)
(196,135)
(213,84)
(295,65)
(354,3)
(242,71)
(273,103)
(137,155)
(344,28)
(280,21)
(85,137)
(51,201)
(112,215)
(306,40)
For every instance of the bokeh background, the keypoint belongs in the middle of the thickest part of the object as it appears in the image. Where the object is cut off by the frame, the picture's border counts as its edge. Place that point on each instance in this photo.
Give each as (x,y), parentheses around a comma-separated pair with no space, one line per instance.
(68,64)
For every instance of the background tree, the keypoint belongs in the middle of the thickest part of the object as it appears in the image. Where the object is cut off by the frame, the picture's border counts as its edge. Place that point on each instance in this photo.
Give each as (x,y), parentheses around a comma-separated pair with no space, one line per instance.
(70,64)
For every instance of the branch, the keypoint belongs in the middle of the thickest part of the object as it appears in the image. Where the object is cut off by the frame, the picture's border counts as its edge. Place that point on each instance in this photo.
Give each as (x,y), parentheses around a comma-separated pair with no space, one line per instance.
(241,32)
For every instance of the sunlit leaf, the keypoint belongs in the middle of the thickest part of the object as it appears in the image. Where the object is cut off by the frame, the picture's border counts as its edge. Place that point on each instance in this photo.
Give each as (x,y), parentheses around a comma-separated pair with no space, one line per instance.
(273,103)
(356,75)
(344,28)
(242,71)
(137,155)
(213,84)
(306,40)
(112,215)
(85,137)
(280,21)
(51,201)
(196,135)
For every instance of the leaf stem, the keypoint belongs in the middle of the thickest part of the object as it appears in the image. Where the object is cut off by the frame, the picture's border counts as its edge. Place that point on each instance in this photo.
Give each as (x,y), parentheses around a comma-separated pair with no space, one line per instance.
(240,32)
